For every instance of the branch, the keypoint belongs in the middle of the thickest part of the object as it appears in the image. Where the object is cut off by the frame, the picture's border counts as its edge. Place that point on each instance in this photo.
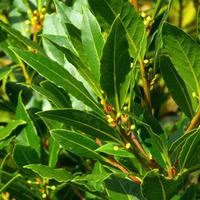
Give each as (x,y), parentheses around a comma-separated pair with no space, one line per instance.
(135,3)
(124,170)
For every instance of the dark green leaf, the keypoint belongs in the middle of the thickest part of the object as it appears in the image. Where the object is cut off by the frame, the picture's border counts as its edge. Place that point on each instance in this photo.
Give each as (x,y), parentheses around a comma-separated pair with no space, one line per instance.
(188,154)
(176,86)
(157,187)
(46,172)
(184,53)
(85,122)
(24,155)
(59,76)
(76,143)
(115,63)
(4,72)
(92,41)
(53,93)
(28,135)
(18,36)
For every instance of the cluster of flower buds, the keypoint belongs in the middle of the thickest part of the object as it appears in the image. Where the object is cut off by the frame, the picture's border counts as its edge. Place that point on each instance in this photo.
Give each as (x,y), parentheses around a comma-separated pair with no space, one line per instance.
(37,18)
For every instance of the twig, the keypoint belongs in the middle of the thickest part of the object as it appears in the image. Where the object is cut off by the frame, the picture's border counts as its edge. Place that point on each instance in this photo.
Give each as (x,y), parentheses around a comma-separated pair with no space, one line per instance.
(124,170)
(78,193)
(135,3)
(180,13)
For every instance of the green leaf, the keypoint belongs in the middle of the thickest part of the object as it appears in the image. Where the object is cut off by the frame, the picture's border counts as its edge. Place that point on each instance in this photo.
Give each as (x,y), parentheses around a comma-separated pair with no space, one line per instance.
(115,63)
(157,187)
(121,188)
(54,149)
(188,154)
(24,155)
(109,148)
(28,135)
(198,22)
(184,53)
(85,122)
(9,128)
(76,143)
(18,36)
(59,76)
(60,175)
(92,41)
(4,72)
(54,94)
(176,86)
(135,30)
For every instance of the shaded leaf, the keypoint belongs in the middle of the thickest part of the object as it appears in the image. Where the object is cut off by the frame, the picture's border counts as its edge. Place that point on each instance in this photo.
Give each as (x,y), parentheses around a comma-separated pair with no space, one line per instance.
(85,122)
(76,143)
(58,75)
(115,63)
(176,86)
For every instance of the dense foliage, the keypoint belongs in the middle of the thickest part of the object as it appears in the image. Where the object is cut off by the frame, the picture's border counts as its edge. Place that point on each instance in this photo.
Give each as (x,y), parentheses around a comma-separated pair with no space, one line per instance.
(99,99)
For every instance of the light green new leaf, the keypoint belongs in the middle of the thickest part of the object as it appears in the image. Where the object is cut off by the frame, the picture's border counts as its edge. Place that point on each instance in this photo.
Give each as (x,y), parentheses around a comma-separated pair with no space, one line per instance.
(188,154)
(85,122)
(18,36)
(109,148)
(157,187)
(92,41)
(115,63)
(4,72)
(185,55)
(59,76)
(176,86)
(28,135)
(9,128)
(76,143)
(60,175)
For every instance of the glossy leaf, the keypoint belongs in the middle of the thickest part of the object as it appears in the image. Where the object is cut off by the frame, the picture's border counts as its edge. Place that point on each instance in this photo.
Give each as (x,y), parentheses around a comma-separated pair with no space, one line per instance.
(184,53)
(18,36)
(121,188)
(85,122)
(28,135)
(60,175)
(110,148)
(92,41)
(76,143)
(162,189)
(135,30)
(24,155)
(176,86)
(188,154)
(58,75)
(53,93)
(115,64)
(54,149)
(9,128)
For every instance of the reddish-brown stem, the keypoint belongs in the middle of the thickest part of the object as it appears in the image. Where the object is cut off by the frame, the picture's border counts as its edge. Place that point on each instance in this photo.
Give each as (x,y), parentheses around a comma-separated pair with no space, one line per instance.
(138,145)
(78,193)
(135,3)
(124,170)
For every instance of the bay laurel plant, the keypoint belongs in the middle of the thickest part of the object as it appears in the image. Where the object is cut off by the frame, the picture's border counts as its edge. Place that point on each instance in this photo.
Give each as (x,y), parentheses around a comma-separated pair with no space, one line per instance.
(100,99)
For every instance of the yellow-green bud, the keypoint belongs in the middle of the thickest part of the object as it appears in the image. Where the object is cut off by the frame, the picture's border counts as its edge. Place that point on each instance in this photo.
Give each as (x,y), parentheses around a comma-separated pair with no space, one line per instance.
(53,187)
(44,196)
(194,94)
(143,14)
(29,181)
(128,146)
(116,148)
(146,61)
(132,127)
